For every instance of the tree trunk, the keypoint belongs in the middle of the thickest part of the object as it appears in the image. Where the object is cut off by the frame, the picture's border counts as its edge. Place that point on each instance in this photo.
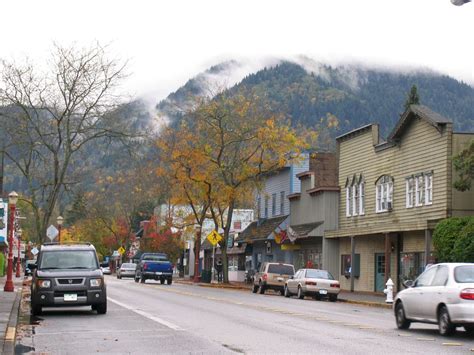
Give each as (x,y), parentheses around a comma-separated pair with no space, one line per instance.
(225,265)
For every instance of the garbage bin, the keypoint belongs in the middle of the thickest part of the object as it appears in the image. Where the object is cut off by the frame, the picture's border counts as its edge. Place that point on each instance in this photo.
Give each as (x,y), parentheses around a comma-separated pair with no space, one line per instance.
(206,276)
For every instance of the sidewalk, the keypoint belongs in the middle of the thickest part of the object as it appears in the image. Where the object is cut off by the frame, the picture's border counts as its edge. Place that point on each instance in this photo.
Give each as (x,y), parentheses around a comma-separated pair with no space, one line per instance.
(367,299)
(9,304)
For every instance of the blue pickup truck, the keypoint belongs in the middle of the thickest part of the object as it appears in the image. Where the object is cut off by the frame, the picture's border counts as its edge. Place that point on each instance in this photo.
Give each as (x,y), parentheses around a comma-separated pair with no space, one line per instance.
(154,266)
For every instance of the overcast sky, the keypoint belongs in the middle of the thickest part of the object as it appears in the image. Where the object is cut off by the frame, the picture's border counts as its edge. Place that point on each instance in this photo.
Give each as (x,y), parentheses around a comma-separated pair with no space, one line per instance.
(167,42)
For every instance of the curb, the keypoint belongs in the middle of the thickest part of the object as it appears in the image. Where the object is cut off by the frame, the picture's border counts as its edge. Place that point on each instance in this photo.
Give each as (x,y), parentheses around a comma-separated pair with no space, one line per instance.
(232,287)
(366,303)
(10,334)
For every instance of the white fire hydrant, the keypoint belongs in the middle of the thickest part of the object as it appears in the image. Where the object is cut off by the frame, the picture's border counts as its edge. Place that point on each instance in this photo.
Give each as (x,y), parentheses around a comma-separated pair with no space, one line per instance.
(389,291)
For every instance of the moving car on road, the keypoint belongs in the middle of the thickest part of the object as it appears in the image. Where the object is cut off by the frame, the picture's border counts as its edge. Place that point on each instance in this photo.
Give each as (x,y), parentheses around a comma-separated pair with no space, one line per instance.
(154,266)
(443,295)
(126,270)
(105,268)
(272,276)
(68,275)
(313,282)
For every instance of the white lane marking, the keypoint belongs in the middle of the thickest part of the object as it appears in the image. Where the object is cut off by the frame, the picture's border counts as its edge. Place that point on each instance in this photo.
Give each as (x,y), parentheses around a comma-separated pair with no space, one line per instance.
(147,315)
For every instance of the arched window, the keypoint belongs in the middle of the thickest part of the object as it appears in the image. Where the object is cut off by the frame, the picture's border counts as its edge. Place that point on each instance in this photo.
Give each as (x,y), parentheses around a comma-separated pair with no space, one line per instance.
(355,195)
(384,194)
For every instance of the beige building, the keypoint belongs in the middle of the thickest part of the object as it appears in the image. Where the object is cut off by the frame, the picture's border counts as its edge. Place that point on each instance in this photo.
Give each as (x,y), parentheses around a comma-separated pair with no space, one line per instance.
(392,195)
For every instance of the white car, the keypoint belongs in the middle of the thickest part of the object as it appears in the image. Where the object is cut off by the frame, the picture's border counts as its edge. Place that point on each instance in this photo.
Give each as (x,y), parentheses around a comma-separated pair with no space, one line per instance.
(443,294)
(312,282)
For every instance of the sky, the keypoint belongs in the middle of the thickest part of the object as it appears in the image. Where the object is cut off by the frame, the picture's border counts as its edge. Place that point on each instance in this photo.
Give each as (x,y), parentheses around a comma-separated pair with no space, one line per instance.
(167,42)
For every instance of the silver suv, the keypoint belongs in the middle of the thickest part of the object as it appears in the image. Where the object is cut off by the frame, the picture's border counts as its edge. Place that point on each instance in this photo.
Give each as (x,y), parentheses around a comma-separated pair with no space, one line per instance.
(67,275)
(272,276)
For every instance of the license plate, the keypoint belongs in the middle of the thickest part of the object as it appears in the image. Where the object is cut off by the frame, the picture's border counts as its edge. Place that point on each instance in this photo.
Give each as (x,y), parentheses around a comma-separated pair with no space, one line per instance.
(323,292)
(70,297)
(158,273)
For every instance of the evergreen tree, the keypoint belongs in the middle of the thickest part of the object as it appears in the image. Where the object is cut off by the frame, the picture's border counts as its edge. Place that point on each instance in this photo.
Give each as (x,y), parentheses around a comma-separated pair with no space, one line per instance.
(413,97)
(78,209)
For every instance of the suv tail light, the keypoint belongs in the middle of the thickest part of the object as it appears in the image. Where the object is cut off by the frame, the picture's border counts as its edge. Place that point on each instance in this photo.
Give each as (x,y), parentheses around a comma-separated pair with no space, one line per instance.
(335,284)
(264,277)
(467,294)
(145,266)
(311,283)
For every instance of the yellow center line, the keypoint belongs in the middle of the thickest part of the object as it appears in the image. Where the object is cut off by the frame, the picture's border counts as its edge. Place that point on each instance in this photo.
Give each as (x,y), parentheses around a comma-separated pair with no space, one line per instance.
(425,339)
(453,344)
(10,334)
(366,327)
(404,335)
(351,324)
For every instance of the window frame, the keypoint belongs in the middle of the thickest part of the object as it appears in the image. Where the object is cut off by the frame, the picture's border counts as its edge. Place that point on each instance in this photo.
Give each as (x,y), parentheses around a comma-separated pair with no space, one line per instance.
(282,202)
(428,181)
(409,192)
(384,194)
(274,204)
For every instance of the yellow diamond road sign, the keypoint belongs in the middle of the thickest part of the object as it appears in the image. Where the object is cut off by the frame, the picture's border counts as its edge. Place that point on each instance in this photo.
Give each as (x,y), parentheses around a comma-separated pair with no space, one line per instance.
(214,237)
(121,250)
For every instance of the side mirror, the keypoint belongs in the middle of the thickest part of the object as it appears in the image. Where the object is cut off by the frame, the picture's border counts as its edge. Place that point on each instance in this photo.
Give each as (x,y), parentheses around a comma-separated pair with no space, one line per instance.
(408,283)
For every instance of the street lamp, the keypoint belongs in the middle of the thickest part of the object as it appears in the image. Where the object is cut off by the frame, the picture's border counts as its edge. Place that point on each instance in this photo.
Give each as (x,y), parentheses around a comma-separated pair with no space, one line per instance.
(59,221)
(197,230)
(18,264)
(12,200)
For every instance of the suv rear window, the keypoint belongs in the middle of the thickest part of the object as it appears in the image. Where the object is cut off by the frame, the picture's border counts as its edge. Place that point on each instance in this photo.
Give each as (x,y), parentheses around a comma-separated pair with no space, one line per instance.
(69,259)
(155,258)
(464,274)
(281,269)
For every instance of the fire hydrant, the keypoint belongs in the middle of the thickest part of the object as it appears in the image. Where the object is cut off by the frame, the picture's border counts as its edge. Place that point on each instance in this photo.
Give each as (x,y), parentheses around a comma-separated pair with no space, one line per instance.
(389,291)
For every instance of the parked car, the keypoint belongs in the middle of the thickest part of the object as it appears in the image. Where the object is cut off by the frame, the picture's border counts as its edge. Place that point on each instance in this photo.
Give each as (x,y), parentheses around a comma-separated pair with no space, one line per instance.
(154,266)
(443,294)
(126,270)
(313,282)
(105,268)
(28,269)
(67,275)
(272,276)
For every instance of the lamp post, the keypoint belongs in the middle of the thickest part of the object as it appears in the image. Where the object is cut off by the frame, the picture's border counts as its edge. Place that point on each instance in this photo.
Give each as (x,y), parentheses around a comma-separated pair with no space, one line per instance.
(12,200)
(197,230)
(18,264)
(59,221)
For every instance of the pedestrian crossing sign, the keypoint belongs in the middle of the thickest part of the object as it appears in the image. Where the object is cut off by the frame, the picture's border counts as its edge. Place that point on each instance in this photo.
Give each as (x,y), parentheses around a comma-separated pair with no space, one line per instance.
(214,238)
(121,250)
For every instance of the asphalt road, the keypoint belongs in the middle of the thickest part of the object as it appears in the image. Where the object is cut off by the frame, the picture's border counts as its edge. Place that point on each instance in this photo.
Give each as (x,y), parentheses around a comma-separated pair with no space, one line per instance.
(154,318)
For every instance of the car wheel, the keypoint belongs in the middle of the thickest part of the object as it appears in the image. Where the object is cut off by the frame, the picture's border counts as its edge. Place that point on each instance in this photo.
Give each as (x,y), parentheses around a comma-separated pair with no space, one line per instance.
(101,308)
(287,292)
(261,289)
(254,288)
(333,298)
(469,329)
(36,309)
(300,293)
(162,281)
(402,322)
(169,281)
(444,323)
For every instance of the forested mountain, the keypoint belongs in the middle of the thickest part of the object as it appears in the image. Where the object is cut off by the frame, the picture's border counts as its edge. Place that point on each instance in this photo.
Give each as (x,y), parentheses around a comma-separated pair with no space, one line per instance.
(355,95)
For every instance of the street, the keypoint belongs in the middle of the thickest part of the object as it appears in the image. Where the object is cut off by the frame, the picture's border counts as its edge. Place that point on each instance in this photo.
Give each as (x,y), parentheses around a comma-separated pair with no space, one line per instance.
(155,318)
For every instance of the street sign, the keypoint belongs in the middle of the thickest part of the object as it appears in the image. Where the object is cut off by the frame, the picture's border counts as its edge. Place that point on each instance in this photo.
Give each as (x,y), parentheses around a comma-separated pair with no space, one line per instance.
(52,232)
(214,237)
(34,251)
(121,250)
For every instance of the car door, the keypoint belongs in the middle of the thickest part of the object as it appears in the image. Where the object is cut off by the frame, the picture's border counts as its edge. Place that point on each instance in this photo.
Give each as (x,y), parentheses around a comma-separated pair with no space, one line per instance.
(435,294)
(414,297)
(293,283)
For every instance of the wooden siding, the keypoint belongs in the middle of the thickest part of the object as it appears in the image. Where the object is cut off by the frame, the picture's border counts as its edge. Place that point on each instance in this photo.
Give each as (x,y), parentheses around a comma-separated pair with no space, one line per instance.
(423,148)
(463,202)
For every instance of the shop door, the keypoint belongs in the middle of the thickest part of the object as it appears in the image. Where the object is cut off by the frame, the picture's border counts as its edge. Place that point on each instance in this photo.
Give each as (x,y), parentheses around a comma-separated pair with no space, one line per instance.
(379,272)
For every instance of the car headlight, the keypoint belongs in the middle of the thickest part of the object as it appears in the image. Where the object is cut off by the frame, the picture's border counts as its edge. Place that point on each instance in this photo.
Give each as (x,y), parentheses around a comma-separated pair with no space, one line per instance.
(44,283)
(96,282)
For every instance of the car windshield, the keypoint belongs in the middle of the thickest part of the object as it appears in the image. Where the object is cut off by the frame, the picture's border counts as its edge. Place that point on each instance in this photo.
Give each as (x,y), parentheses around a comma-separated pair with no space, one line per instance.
(464,274)
(281,269)
(69,259)
(318,274)
(128,266)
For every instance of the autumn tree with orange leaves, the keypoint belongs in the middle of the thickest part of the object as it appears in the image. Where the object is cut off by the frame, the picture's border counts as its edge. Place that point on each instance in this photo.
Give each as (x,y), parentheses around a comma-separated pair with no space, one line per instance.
(221,151)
